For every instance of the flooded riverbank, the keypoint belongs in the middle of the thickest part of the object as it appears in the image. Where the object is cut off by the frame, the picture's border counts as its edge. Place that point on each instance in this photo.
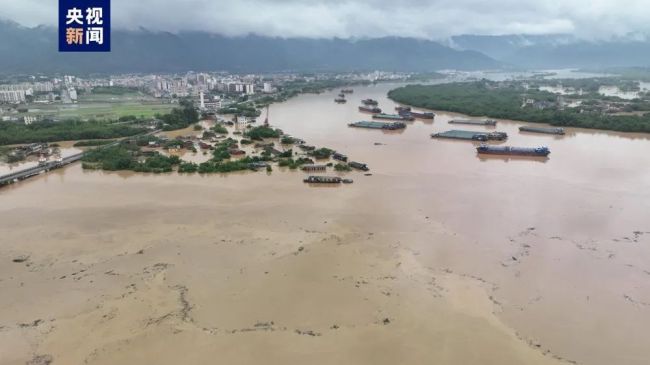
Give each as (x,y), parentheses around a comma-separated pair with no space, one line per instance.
(440,256)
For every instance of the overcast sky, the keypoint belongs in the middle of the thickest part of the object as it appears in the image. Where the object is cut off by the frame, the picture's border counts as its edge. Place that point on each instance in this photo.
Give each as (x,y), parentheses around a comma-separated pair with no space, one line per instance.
(433,19)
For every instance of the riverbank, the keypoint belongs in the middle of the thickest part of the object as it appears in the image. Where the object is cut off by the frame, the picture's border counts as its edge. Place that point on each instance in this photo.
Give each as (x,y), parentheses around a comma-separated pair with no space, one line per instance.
(512,100)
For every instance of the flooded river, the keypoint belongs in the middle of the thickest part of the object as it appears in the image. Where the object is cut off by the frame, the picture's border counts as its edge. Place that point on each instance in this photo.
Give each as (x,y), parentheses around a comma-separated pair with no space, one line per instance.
(439,257)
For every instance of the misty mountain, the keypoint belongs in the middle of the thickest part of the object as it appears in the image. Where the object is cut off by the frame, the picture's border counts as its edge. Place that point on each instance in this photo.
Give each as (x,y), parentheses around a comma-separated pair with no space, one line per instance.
(558,51)
(32,50)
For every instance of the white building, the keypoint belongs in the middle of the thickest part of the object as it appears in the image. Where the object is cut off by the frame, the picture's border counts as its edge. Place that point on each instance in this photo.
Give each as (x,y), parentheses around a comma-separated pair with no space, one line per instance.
(12,96)
(29,119)
(267,87)
(73,94)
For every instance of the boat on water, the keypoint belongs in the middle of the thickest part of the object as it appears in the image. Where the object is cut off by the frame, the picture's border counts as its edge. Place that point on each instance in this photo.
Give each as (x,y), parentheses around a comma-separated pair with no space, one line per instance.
(491,122)
(423,115)
(369,102)
(471,135)
(369,109)
(378,125)
(559,131)
(340,100)
(342,95)
(347,91)
(393,117)
(516,151)
(406,111)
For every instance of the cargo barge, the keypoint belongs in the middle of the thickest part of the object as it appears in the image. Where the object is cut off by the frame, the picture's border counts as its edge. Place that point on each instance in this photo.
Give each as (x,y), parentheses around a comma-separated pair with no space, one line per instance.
(517,151)
(406,111)
(393,117)
(340,100)
(474,122)
(347,91)
(559,131)
(378,125)
(326,180)
(471,135)
(369,109)
(369,102)
(424,115)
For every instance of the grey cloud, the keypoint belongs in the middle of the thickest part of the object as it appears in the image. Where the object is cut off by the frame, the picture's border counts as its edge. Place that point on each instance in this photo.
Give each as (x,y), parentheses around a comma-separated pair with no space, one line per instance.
(432,19)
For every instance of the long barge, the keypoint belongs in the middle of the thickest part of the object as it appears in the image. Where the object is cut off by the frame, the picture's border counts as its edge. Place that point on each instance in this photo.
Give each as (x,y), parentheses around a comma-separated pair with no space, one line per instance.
(423,115)
(347,91)
(471,135)
(474,122)
(559,131)
(369,102)
(340,100)
(378,125)
(517,151)
(369,109)
(393,117)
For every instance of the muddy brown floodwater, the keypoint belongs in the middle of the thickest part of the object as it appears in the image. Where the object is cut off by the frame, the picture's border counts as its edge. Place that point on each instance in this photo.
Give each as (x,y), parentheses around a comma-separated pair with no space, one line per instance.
(439,257)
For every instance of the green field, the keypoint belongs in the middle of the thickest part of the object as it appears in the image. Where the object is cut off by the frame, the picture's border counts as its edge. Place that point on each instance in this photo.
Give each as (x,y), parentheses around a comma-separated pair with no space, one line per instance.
(102,106)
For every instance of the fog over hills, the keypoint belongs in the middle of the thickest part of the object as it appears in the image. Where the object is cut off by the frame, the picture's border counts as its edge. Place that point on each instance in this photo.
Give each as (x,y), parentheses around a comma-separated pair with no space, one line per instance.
(558,51)
(35,50)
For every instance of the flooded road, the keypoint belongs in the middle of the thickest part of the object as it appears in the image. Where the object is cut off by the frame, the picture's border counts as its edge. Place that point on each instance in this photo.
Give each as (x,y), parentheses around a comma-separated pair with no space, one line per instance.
(439,257)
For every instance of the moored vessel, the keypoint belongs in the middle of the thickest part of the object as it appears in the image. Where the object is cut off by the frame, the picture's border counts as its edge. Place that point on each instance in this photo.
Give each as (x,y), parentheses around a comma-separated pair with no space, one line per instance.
(552,130)
(378,125)
(369,102)
(474,122)
(369,109)
(471,135)
(516,151)
(393,117)
(423,115)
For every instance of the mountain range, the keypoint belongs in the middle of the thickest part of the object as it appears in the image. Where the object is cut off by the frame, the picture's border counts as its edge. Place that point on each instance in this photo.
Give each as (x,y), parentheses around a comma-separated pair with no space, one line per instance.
(35,50)
(32,50)
(558,51)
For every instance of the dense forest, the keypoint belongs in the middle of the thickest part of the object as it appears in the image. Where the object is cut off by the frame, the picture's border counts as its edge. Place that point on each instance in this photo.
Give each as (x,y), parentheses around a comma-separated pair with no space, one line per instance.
(494,100)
